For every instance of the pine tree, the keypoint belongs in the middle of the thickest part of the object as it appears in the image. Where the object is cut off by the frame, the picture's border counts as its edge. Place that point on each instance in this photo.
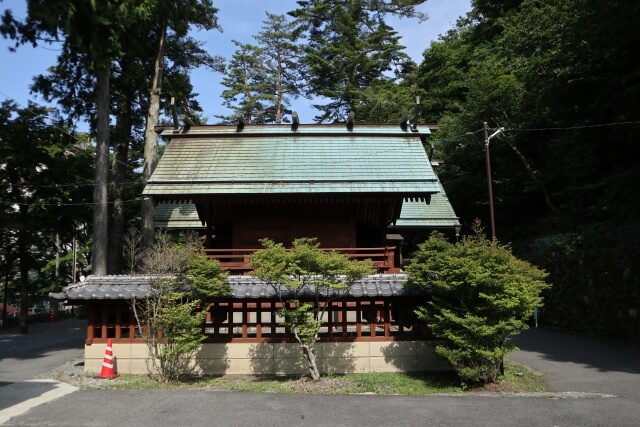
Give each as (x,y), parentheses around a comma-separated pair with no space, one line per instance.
(350,47)
(285,72)
(246,83)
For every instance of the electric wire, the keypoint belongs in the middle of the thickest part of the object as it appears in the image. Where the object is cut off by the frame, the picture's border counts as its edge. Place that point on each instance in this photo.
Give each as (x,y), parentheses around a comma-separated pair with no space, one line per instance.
(52,124)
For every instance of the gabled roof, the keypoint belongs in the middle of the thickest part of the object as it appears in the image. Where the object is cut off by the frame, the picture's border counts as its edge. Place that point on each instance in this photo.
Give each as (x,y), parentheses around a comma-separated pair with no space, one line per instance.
(176,216)
(437,214)
(276,160)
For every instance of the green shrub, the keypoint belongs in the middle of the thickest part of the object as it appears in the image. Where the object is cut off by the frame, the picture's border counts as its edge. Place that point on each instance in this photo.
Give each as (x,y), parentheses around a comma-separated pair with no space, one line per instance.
(306,270)
(170,318)
(483,294)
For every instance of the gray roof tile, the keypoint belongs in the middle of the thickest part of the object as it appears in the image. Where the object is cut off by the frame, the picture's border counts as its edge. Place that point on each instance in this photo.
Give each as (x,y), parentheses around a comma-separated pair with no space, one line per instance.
(138,286)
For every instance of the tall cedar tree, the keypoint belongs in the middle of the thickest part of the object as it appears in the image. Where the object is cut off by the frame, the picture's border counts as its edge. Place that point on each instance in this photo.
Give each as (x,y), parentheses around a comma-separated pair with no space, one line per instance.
(72,85)
(95,29)
(177,17)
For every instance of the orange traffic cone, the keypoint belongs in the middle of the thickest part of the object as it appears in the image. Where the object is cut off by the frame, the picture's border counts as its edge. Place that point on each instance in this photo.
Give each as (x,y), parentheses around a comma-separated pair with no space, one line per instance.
(107,364)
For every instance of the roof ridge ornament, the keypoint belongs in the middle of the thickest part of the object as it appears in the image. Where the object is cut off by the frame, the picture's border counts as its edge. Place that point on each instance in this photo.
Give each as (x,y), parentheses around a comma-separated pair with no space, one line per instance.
(404,120)
(240,124)
(351,120)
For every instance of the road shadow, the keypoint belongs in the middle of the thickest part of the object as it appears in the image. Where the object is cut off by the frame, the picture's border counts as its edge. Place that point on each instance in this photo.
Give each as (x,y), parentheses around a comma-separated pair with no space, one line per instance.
(12,393)
(42,339)
(566,347)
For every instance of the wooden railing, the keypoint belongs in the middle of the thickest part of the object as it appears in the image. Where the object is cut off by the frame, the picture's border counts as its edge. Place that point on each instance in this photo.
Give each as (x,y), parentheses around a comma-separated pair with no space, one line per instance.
(237,260)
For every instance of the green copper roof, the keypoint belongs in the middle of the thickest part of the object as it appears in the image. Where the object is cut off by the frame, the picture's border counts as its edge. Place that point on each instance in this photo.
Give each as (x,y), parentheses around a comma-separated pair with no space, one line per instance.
(176,216)
(437,214)
(313,159)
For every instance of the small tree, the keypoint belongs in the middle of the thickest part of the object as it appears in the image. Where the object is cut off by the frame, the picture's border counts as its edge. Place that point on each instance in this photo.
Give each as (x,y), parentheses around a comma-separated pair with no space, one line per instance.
(170,318)
(483,294)
(304,271)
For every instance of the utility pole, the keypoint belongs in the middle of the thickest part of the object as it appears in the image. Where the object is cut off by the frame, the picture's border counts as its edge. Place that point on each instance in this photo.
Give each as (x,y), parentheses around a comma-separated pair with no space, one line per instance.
(487,138)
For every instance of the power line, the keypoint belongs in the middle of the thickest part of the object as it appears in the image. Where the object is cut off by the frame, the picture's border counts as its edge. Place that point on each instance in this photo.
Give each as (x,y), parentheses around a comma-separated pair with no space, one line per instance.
(36,115)
(68,204)
(573,127)
(120,184)
(567,128)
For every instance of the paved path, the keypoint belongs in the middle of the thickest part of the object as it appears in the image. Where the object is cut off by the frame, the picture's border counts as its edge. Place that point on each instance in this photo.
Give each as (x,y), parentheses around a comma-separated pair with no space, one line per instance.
(25,357)
(48,345)
(575,363)
(595,385)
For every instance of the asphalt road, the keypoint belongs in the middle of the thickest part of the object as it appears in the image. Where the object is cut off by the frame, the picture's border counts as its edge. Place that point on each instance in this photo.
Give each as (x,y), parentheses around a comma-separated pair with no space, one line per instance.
(202,408)
(23,357)
(592,384)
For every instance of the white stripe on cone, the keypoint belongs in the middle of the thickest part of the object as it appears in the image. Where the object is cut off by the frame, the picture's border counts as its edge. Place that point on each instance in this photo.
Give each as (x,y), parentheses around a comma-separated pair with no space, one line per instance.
(107,363)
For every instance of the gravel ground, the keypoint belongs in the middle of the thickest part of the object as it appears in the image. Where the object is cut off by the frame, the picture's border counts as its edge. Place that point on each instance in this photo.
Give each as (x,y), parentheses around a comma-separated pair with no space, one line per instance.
(73,373)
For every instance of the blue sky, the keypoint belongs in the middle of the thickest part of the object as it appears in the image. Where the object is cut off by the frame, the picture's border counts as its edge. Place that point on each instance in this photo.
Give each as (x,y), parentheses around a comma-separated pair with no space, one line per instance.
(240,20)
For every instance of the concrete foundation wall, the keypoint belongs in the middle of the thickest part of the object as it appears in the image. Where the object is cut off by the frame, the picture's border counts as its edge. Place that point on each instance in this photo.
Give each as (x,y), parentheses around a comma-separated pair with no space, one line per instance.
(280,359)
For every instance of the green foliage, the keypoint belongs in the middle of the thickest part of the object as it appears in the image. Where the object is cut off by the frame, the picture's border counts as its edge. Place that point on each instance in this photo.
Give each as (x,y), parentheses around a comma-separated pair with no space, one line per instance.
(261,79)
(181,327)
(171,317)
(244,78)
(205,277)
(350,47)
(44,181)
(551,73)
(596,288)
(301,318)
(286,74)
(305,272)
(483,294)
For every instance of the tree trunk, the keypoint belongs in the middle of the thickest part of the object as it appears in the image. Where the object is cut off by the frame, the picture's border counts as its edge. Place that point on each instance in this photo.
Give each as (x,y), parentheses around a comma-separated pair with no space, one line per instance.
(115,264)
(311,362)
(279,93)
(151,138)
(100,201)
(24,271)
(309,357)
(5,295)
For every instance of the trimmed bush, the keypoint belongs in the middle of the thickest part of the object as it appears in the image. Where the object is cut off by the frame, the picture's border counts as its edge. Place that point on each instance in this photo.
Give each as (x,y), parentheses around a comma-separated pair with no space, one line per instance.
(482,295)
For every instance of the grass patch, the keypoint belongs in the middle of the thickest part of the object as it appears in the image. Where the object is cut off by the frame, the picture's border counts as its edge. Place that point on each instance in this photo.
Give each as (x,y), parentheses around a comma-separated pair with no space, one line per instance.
(516,379)
(375,383)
